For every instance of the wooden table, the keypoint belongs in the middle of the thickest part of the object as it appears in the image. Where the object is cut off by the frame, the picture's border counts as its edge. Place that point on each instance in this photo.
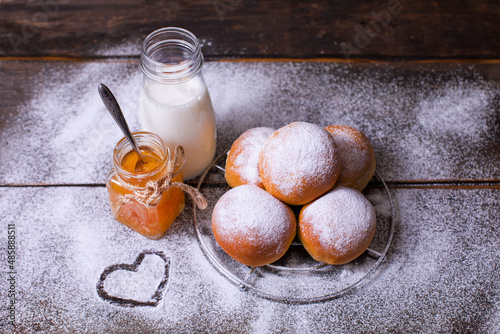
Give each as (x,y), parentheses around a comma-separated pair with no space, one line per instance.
(420,78)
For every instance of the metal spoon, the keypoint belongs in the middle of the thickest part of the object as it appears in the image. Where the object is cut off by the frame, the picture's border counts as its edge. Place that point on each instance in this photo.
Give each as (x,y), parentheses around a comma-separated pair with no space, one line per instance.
(115,111)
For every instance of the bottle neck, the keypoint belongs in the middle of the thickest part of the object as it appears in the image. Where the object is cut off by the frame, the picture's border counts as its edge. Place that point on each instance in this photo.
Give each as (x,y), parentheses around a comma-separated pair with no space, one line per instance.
(171,56)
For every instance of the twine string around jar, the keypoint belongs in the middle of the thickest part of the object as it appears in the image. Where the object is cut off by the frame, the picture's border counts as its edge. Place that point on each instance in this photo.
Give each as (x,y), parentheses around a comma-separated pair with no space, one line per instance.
(150,194)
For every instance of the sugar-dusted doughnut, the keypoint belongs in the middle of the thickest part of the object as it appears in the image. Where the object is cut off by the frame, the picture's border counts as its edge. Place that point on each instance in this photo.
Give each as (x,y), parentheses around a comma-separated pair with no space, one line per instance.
(337,227)
(242,163)
(299,162)
(356,154)
(252,226)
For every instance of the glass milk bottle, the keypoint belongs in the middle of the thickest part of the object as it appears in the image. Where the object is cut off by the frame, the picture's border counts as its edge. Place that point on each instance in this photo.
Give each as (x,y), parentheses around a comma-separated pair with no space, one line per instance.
(174,101)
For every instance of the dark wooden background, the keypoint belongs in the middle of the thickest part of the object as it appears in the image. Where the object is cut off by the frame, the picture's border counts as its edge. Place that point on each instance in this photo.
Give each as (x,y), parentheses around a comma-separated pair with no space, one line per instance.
(392,29)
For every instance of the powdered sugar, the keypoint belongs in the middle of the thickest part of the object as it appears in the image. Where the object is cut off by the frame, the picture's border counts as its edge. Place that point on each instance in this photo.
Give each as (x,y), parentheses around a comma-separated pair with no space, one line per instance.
(442,267)
(387,102)
(356,156)
(251,217)
(139,285)
(64,132)
(415,117)
(355,161)
(244,155)
(343,221)
(298,158)
(454,111)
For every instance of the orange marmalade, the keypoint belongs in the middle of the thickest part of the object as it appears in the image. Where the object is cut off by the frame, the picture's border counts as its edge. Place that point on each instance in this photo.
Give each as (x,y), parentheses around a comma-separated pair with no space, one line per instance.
(131,174)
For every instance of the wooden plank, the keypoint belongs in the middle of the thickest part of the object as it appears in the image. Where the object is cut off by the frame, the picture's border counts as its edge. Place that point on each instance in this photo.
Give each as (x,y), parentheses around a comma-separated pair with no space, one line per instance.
(442,267)
(236,28)
(427,122)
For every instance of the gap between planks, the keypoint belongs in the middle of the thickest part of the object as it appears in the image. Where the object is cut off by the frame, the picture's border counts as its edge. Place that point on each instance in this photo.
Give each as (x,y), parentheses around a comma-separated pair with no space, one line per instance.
(352,60)
(464,185)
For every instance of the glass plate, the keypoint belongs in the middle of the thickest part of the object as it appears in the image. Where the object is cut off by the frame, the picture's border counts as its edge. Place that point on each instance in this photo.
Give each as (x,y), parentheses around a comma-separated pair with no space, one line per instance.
(296,277)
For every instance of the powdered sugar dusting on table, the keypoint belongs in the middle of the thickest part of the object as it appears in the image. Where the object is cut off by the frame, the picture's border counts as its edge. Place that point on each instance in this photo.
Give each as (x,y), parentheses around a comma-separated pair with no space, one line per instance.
(454,111)
(139,285)
(441,267)
(64,132)
(415,118)
(405,110)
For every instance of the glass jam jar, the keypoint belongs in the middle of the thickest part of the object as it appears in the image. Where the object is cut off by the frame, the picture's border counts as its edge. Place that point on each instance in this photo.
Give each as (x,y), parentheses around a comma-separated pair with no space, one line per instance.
(131,177)
(174,101)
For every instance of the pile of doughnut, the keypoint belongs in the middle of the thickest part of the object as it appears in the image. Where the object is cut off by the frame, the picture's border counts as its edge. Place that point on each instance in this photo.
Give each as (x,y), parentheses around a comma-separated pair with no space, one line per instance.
(319,171)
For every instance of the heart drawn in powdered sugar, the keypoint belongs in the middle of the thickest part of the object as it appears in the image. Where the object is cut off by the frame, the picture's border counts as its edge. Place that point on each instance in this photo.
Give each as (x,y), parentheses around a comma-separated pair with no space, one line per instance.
(133,285)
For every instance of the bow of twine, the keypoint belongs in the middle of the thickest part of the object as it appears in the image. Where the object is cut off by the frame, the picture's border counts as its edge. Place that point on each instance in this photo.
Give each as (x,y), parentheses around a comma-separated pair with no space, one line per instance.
(150,194)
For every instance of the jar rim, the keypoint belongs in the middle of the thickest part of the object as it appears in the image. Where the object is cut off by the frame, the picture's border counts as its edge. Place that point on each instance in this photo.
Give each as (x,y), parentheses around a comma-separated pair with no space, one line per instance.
(143,139)
(171,73)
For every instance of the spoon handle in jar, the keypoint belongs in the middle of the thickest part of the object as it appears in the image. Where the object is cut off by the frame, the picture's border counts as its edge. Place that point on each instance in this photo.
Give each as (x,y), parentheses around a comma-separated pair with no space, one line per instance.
(114,109)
